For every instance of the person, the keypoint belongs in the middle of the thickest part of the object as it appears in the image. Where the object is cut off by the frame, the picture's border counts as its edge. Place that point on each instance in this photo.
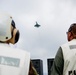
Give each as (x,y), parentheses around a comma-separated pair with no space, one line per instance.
(9,34)
(32,70)
(65,60)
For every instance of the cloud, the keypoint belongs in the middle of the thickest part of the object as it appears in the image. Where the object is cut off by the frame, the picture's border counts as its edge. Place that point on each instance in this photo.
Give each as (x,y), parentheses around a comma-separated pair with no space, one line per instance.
(54,16)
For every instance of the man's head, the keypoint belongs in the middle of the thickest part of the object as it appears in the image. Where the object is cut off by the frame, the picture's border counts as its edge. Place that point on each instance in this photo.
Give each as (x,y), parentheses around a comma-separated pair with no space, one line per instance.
(71,34)
(8,31)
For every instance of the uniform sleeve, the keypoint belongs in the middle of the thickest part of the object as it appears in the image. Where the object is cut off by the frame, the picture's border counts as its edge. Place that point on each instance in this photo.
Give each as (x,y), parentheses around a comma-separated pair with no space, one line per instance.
(58,63)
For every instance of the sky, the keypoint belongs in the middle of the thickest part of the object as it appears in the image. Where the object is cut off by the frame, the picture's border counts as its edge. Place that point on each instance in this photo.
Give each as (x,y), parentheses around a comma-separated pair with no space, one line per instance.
(54,16)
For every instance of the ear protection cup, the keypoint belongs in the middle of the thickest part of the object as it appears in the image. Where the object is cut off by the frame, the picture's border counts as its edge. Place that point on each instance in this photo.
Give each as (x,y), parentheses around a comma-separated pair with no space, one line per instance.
(17,36)
(17,33)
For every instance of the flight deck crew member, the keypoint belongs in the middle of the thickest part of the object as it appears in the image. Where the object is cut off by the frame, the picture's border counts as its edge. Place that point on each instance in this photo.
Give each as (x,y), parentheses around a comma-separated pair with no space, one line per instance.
(10,34)
(65,59)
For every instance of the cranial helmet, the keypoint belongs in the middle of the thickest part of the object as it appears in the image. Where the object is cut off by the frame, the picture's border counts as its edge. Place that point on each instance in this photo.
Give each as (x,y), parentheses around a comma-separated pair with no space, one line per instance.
(8,29)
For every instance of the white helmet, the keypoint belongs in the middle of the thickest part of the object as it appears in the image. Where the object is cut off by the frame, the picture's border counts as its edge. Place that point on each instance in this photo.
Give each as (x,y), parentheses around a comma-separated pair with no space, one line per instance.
(5,26)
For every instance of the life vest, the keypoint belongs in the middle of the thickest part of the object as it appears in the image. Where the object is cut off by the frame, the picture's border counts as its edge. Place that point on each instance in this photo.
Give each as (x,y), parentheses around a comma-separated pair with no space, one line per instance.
(14,61)
(69,54)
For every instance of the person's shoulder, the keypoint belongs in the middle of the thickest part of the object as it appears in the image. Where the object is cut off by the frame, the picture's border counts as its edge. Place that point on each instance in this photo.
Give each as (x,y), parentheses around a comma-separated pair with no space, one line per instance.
(65,44)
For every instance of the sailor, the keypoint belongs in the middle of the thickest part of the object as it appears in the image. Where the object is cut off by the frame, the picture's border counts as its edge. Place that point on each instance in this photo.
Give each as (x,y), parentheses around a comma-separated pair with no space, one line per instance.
(9,60)
(65,59)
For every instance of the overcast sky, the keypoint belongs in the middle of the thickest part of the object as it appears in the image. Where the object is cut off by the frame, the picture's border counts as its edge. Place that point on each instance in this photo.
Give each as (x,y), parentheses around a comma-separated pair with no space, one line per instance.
(54,16)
